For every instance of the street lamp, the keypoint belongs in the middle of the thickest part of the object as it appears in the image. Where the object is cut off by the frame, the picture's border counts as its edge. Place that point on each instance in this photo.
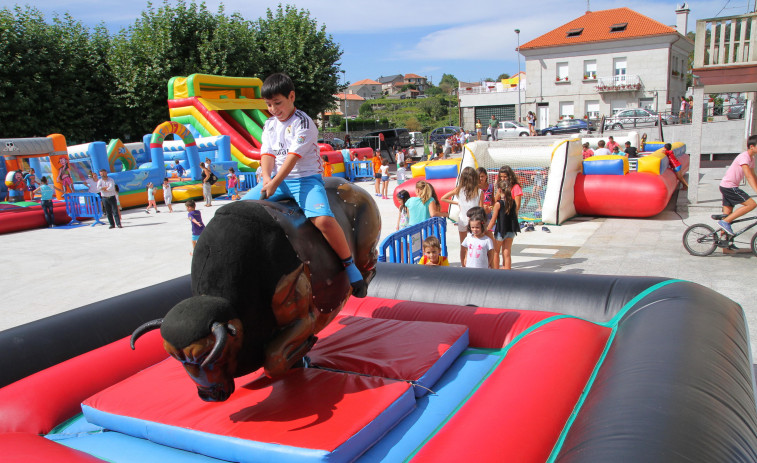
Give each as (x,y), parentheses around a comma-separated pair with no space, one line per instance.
(344,97)
(517,34)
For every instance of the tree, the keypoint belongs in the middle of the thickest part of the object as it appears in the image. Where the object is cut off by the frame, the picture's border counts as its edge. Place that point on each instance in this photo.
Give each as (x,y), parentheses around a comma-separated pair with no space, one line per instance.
(407,86)
(433,91)
(52,77)
(366,110)
(289,41)
(412,124)
(504,75)
(449,79)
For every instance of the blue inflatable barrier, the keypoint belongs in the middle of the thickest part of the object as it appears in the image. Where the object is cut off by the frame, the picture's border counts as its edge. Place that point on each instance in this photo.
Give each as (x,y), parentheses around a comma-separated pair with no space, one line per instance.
(84,205)
(441,171)
(406,246)
(605,165)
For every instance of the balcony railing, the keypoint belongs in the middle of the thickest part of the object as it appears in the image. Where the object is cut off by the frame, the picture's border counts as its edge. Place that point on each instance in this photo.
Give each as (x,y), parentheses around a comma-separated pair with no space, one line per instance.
(726,41)
(488,89)
(621,83)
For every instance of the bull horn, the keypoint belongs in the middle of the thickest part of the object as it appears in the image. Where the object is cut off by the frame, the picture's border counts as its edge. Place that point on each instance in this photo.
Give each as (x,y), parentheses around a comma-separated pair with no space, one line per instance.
(144,328)
(219,330)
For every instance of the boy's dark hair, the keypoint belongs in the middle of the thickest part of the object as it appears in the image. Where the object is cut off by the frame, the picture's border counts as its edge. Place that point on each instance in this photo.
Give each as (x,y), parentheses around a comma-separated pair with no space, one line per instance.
(751,141)
(668,146)
(277,84)
(601,143)
(190,203)
(628,143)
(165,179)
(43,179)
(432,242)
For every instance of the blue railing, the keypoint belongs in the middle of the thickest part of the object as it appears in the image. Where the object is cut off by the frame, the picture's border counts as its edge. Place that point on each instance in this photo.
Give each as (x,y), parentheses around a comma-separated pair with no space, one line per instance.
(84,205)
(406,246)
(358,169)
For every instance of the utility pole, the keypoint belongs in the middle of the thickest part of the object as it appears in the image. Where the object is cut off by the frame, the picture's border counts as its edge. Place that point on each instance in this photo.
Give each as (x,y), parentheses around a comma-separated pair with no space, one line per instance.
(517,34)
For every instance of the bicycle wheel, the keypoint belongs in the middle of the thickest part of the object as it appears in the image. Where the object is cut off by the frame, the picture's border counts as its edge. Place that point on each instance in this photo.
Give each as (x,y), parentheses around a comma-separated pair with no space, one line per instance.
(700,240)
(754,244)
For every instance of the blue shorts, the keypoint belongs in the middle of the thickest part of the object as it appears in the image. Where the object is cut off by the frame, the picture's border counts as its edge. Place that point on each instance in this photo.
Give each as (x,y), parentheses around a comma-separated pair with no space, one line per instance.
(385,178)
(195,237)
(508,235)
(232,191)
(309,193)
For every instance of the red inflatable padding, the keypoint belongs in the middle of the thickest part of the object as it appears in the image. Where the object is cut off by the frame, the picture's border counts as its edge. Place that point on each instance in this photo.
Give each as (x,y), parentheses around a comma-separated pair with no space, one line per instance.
(441,186)
(632,195)
(383,347)
(38,403)
(488,328)
(520,410)
(20,447)
(306,408)
(334,157)
(27,218)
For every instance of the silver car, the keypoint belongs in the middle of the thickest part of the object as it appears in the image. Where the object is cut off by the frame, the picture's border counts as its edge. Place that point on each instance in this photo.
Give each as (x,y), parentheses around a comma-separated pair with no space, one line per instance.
(638,117)
(511,129)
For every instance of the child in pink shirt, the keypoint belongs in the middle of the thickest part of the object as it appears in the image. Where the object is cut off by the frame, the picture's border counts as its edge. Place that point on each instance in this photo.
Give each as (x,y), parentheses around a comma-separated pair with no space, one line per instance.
(741,167)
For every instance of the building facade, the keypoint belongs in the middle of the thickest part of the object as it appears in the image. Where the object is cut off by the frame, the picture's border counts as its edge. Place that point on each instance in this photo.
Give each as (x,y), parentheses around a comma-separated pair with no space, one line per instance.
(366,88)
(604,62)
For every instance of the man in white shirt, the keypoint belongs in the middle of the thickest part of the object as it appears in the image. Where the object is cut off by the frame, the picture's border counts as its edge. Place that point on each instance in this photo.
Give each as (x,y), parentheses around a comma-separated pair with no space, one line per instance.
(107,188)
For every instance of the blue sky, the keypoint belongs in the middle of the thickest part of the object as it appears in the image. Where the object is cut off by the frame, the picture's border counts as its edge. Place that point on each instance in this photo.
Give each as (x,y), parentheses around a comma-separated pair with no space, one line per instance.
(471,41)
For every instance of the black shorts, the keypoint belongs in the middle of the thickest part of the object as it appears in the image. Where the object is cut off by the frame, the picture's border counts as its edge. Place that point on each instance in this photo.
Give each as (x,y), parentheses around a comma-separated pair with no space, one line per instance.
(733,196)
(377,176)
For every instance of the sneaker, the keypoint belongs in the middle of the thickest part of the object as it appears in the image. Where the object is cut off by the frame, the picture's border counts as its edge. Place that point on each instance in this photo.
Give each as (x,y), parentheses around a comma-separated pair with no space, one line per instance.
(530,228)
(112,226)
(157,212)
(146,211)
(545,229)
(725,226)
(359,288)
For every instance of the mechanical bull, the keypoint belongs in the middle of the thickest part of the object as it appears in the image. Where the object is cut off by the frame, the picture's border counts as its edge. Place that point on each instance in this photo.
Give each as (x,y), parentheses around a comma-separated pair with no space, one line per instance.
(264,282)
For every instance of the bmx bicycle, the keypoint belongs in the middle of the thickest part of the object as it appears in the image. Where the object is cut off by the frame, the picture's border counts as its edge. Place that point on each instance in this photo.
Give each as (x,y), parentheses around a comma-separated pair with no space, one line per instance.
(701,239)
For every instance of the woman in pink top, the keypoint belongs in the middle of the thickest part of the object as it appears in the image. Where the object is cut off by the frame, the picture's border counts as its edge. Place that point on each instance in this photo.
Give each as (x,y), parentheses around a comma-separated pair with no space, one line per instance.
(741,167)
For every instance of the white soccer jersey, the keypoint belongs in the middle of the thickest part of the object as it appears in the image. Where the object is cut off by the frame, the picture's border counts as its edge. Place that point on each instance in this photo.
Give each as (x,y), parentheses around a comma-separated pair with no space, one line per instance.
(297,135)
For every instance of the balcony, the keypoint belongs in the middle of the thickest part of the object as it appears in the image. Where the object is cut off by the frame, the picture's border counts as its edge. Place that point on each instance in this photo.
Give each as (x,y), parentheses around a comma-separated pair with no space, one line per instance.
(623,83)
(725,58)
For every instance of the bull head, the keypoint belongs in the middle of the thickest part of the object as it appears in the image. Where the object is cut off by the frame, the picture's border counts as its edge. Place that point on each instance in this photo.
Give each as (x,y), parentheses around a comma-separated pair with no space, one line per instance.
(206,347)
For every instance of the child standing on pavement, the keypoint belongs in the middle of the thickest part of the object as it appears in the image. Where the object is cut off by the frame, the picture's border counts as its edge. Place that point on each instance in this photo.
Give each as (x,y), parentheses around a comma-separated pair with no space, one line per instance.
(232,183)
(468,196)
(401,174)
(505,223)
(403,220)
(377,171)
(289,144)
(151,198)
(195,218)
(384,178)
(167,194)
(478,247)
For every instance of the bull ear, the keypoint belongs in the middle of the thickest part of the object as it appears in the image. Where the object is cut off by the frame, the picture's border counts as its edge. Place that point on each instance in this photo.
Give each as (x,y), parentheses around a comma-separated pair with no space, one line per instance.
(144,328)
(219,330)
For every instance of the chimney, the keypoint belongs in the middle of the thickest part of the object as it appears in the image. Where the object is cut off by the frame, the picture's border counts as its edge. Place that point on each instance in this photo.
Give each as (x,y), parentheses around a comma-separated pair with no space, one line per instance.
(682,18)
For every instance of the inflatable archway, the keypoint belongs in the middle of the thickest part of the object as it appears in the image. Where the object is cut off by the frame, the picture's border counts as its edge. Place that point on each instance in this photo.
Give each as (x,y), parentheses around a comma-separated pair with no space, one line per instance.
(117,151)
(158,137)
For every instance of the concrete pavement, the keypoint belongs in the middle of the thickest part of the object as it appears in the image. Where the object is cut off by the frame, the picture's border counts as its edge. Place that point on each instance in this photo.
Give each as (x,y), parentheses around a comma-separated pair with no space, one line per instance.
(48,271)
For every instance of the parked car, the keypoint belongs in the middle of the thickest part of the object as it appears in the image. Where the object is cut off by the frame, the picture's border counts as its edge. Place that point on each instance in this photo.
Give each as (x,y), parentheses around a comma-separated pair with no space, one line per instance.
(440,134)
(416,138)
(511,129)
(735,111)
(638,117)
(337,143)
(570,126)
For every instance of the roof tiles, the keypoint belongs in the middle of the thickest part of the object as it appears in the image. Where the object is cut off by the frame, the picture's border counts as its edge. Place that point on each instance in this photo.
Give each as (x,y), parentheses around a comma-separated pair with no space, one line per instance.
(596,28)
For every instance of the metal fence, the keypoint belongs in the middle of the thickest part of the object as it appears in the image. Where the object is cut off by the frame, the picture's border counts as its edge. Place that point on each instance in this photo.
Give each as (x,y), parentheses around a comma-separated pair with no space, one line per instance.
(406,246)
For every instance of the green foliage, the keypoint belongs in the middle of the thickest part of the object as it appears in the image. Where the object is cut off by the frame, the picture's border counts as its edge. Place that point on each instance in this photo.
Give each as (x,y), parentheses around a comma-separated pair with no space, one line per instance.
(504,75)
(51,77)
(289,41)
(407,86)
(412,124)
(433,91)
(449,79)
(335,120)
(366,110)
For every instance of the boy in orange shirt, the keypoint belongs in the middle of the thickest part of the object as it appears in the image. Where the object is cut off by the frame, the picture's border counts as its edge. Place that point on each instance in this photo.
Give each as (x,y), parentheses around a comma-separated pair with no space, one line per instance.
(377,171)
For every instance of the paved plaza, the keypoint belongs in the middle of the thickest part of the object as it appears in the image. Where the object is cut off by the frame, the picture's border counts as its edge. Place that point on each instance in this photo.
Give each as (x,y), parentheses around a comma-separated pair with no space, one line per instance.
(48,271)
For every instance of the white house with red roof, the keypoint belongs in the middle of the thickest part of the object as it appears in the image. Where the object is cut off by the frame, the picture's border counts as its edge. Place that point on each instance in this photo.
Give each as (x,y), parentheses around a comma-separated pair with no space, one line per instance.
(603,62)
(366,88)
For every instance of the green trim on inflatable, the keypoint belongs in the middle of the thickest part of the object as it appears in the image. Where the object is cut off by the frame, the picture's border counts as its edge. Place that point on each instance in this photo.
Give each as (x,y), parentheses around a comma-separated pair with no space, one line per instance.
(503,352)
(613,325)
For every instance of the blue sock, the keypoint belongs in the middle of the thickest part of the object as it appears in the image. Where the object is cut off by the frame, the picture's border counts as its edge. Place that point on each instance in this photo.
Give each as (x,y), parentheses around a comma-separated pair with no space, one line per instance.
(352,272)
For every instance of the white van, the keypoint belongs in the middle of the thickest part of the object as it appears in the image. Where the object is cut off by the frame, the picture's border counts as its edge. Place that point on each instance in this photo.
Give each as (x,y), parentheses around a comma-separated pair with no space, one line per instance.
(416,138)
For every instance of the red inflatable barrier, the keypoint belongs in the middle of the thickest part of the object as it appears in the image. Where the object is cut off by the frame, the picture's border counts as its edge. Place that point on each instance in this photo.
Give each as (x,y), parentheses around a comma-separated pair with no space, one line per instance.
(441,185)
(632,195)
(27,218)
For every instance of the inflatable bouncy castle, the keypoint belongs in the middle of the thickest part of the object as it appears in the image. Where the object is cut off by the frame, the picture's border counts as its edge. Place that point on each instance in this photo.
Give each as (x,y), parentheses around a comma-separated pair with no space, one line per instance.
(606,186)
